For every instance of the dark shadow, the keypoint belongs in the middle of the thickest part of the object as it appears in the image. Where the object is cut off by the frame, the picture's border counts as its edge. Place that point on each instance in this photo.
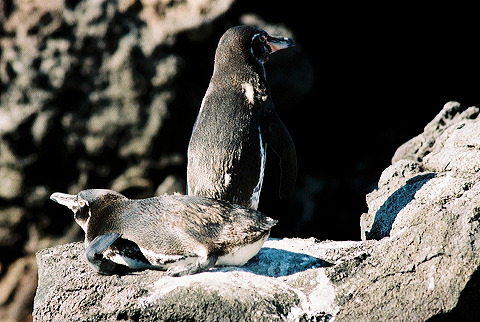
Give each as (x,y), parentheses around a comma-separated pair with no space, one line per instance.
(467,308)
(386,215)
(275,262)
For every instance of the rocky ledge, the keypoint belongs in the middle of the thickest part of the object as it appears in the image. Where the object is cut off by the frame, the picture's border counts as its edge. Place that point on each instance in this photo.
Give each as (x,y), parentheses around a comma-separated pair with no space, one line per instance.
(418,259)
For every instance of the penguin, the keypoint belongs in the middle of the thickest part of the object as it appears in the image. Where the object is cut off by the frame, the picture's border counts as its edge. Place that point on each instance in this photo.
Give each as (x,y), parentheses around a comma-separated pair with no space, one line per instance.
(178,233)
(236,121)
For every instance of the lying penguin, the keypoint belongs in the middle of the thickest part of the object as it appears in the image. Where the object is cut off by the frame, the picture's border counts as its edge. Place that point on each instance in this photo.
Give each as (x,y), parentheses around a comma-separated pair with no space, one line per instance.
(181,234)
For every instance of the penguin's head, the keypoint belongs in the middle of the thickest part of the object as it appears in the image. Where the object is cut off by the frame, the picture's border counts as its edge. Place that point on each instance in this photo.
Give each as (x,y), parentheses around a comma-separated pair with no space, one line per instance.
(244,40)
(82,203)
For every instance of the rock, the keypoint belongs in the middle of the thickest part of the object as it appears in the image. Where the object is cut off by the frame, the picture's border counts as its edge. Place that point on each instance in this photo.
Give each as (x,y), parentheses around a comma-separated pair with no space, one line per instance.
(274,286)
(451,115)
(17,289)
(12,183)
(432,251)
(432,168)
(418,260)
(427,205)
(10,219)
(172,184)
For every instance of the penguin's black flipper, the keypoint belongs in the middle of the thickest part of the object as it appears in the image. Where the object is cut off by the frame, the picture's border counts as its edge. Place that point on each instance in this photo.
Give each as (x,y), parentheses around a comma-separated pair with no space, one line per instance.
(277,137)
(200,265)
(100,264)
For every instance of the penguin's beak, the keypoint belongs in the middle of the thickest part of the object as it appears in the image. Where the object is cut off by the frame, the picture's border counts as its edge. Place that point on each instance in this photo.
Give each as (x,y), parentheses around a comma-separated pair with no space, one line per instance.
(277,43)
(70,201)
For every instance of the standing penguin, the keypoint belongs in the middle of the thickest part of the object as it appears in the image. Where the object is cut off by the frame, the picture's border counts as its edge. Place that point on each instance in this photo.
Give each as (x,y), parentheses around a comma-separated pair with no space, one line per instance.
(180,234)
(236,122)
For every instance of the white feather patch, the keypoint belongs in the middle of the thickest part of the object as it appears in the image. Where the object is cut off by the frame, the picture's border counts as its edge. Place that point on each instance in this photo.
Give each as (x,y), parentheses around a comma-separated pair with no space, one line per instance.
(255,199)
(249,92)
(241,255)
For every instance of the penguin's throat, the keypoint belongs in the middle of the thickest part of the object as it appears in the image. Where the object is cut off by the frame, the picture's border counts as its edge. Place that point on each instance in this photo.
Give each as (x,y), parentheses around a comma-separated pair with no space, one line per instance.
(83,222)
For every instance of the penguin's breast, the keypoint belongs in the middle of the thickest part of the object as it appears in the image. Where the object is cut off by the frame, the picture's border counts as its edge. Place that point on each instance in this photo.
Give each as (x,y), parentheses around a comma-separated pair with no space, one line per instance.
(241,255)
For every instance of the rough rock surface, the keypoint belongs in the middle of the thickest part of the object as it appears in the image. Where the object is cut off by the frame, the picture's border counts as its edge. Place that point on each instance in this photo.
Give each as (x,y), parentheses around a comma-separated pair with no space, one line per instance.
(419,259)
(426,213)
(283,281)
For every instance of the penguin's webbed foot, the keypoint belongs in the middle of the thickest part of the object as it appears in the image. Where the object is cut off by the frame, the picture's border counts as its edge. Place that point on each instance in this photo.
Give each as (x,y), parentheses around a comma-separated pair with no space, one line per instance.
(200,265)
(99,263)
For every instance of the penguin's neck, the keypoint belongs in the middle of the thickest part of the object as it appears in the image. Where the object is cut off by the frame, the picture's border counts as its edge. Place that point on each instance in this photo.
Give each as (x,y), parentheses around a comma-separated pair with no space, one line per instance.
(240,68)
(241,78)
(106,218)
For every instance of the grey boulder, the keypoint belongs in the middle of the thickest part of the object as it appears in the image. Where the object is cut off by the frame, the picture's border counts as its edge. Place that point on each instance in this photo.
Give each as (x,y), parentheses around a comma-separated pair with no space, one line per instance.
(418,259)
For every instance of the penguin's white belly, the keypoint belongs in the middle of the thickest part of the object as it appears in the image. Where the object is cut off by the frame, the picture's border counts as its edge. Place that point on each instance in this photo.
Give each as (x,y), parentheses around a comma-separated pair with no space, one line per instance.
(241,255)
(238,257)
(128,261)
(157,260)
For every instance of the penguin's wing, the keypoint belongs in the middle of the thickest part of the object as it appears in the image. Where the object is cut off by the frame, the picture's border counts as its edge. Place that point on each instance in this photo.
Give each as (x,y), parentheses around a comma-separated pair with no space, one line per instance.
(277,137)
(93,253)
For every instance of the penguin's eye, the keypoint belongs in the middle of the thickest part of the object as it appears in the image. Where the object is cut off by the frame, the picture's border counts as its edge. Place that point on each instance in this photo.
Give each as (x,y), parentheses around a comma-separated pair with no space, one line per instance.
(259,38)
(260,48)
